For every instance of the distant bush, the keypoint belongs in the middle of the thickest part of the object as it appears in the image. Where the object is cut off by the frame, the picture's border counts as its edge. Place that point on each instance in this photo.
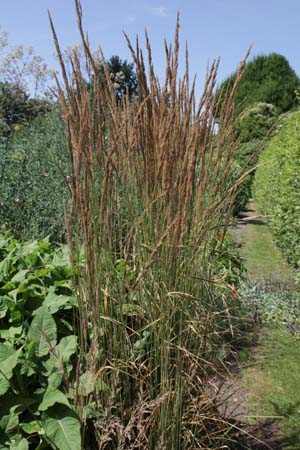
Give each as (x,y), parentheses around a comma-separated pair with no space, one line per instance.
(277,186)
(16,106)
(33,177)
(256,121)
(246,158)
(253,126)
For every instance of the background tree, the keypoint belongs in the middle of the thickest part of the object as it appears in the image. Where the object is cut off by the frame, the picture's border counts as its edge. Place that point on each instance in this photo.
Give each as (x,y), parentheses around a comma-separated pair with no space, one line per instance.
(267,89)
(122,75)
(23,67)
(16,107)
(267,79)
(23,79)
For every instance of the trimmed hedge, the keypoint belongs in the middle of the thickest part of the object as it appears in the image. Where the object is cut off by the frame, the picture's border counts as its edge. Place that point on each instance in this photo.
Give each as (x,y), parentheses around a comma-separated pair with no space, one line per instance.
(277,186)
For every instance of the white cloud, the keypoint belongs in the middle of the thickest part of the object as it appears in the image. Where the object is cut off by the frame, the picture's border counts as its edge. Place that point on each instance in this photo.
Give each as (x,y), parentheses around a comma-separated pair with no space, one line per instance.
(160,11)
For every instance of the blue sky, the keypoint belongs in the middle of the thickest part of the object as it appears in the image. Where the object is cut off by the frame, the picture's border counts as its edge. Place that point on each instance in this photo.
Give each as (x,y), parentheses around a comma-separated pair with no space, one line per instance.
(212,28)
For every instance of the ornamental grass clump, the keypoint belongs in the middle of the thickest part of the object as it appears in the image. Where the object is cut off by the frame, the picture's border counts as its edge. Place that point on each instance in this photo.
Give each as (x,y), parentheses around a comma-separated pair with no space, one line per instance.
(151,200)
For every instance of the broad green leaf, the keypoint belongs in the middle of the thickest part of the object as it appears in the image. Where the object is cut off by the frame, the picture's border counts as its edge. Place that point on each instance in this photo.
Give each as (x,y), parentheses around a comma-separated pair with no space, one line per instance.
(32,290)
(13,293)
(56,377)
(34,247)
(8,361)
(62,257)
(63,283)
(59,360)
(11,333)
(62,427)
(43,331)
(40,273)
(30,427)
(56,302)
(4,302)
(86,383)
(20,276)
(52,396)
(5,265)
(67,347)
(21,445)
(10,422)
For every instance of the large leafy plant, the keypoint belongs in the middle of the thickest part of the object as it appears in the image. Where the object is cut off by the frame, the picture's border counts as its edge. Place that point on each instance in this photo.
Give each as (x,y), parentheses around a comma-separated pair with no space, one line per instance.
(38,348)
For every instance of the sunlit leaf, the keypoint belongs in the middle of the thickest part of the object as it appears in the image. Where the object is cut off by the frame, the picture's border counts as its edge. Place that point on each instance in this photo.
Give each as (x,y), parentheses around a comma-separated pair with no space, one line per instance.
(43,331)
(62,427)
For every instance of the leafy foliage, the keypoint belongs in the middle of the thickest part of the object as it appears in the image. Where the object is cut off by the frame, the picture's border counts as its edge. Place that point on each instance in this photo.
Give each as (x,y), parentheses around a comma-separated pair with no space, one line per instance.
(22,73)
(34,178)
(23,67)
(16,107)
(253,126)
(38,347)
(246,158)
(122,75)
(268,79)
(255,121)
(279,308)
(277,186)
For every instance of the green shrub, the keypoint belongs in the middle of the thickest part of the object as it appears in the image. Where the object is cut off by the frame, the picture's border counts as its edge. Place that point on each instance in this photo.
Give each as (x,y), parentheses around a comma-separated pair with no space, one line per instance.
(277,186)
(255,121)
(33,177)
(253,126)
(245,159)
(38,348)
(16,106)
(280,308)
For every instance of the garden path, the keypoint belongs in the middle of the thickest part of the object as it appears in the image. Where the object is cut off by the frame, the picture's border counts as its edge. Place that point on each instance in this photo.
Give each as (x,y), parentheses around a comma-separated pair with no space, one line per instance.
(252,389)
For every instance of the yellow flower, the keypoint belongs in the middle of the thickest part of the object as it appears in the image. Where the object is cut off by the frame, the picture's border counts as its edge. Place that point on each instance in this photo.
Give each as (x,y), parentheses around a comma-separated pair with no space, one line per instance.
(17,127)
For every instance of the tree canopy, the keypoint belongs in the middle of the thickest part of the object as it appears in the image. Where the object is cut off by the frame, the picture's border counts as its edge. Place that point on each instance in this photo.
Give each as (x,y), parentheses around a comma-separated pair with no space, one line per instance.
(122,75)
(268,79)
(17,107)
(23,79)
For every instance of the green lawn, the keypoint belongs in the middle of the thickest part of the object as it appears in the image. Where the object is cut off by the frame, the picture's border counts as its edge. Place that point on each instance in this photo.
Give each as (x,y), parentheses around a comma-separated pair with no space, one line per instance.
(273,380)
(262,258)
(272,373)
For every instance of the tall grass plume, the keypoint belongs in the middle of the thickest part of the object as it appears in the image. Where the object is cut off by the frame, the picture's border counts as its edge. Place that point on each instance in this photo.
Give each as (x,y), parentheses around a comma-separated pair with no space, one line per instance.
(151,200)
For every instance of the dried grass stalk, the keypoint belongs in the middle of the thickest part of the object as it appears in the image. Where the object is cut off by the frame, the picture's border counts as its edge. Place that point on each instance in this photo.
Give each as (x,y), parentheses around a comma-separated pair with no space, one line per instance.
(151,196)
